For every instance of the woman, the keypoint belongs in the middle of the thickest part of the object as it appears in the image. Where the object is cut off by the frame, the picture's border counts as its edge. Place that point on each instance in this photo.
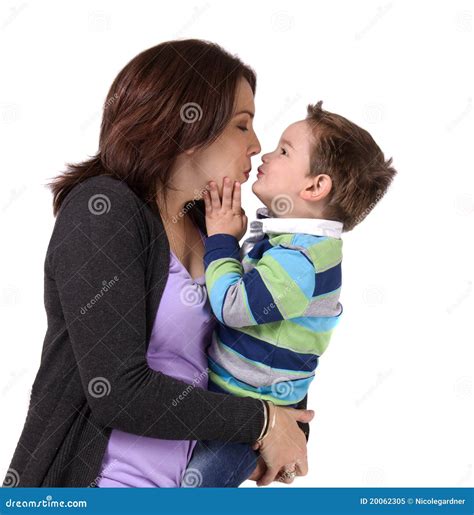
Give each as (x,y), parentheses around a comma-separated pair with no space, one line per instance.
(120,398)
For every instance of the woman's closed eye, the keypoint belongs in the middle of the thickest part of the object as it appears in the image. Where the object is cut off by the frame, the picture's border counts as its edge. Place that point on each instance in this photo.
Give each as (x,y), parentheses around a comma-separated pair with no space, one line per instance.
(244,129)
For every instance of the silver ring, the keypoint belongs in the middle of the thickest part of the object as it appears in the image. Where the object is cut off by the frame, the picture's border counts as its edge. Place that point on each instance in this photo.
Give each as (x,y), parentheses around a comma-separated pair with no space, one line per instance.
(288,474)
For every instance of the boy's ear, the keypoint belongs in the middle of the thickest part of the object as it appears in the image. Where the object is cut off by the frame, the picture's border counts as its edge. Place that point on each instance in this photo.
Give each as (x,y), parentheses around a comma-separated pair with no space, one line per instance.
(317,188)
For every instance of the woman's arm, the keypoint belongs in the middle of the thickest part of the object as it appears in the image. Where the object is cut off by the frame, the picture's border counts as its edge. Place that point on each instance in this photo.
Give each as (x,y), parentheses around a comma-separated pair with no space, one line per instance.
(97,258)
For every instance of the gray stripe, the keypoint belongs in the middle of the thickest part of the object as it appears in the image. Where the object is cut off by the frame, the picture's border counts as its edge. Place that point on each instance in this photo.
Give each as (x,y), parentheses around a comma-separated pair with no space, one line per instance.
(251,374)
(234,311)
(328,306)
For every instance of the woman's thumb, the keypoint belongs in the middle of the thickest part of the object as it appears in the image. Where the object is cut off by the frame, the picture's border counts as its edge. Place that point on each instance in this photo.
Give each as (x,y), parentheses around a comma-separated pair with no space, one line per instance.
(304,415)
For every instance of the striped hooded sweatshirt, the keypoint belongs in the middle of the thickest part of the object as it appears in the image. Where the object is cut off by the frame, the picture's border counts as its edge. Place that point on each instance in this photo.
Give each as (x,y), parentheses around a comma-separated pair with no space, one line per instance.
(276,306)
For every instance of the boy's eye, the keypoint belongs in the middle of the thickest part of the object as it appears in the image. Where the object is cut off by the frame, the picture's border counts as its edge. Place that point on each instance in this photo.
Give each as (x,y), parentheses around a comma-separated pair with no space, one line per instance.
(283,151)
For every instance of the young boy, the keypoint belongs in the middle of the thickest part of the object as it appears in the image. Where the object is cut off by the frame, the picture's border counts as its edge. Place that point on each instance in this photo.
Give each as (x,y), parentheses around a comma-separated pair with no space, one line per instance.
(278,306)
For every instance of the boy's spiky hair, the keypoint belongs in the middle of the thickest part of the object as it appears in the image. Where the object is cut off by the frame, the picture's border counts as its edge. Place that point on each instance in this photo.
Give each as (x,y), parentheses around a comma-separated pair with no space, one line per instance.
(359,172)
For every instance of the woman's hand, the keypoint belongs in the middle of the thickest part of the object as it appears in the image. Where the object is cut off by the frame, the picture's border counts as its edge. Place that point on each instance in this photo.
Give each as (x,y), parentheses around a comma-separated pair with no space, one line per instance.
(284,445)
(226,217)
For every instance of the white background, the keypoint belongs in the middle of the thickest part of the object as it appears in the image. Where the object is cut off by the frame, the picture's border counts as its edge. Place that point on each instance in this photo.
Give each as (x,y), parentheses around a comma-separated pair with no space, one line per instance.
(393,392)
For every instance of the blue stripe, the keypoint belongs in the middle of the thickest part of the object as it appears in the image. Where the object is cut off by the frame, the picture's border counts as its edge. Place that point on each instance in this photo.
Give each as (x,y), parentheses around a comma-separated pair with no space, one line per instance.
(307,240)
(328,281)
(259,248)
(316,324)
(261,302)
(264,352)
(220,246)
(296,390)
(297,266)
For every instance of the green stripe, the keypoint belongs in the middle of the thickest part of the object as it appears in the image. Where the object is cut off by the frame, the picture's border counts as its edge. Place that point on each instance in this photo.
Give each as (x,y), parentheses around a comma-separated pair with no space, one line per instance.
(300,339)
(287,295)
(221,267)
(326,254)
(281,239)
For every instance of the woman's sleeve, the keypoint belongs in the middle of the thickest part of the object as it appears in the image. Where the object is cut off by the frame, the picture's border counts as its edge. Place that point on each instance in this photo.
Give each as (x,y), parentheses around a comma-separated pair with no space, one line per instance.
(97,258)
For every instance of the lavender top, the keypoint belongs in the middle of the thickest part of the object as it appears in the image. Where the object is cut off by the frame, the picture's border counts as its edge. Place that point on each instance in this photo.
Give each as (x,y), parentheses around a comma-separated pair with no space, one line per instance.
(181,334)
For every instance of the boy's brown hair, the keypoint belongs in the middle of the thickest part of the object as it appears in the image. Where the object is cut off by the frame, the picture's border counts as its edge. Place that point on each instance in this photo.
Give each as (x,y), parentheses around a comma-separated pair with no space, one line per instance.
(348,154)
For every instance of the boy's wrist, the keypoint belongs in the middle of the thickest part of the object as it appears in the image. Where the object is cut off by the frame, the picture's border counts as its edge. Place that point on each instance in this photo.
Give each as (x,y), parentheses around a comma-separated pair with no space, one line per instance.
(220,246)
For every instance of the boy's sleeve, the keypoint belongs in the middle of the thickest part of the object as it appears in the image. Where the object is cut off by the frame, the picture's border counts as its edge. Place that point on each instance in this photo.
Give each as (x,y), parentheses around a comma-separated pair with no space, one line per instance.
(279,287)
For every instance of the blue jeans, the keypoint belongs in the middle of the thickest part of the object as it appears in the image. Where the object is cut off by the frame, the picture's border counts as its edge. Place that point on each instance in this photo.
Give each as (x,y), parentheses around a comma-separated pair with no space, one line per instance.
(216,464)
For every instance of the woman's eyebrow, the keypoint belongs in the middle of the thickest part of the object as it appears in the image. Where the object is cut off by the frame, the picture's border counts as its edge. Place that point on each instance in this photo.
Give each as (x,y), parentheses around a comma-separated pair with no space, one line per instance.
(245,111)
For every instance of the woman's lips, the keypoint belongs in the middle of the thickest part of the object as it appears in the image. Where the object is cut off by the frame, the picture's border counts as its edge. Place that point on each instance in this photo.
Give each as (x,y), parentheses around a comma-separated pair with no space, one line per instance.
(247,173)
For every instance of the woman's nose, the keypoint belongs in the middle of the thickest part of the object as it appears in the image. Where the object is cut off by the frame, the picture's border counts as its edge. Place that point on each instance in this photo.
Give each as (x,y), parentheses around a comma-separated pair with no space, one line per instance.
(255,147)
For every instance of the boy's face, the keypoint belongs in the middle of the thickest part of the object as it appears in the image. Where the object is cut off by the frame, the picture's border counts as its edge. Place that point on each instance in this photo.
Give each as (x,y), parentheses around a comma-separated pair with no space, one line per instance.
(283,173)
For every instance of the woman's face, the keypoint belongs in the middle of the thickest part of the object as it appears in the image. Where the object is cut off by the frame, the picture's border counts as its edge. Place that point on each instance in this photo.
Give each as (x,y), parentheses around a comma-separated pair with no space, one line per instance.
(230,155)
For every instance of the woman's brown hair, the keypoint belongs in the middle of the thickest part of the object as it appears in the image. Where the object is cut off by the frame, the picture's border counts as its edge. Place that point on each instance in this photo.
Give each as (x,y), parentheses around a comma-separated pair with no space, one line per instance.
(166,100)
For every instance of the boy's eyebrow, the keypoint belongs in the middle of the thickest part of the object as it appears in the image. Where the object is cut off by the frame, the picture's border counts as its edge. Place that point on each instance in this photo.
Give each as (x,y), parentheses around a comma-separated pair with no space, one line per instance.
(286,142)
(245,111)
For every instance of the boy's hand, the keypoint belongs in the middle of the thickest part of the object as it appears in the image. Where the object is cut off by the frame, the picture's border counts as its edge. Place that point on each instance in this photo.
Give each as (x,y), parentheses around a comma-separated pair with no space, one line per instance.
(227,217)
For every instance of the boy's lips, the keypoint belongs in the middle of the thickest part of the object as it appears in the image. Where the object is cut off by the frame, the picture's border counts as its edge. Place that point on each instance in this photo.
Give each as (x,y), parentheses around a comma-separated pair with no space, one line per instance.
(260,172)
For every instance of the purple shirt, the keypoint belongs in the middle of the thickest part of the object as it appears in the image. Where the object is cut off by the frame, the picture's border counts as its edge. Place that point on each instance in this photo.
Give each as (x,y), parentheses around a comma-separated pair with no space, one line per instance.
(181,334)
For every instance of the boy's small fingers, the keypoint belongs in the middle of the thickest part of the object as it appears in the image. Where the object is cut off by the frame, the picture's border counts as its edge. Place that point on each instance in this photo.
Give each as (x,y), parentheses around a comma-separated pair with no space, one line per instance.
(236,198)
(207,202)
(215,200)
(226,193)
